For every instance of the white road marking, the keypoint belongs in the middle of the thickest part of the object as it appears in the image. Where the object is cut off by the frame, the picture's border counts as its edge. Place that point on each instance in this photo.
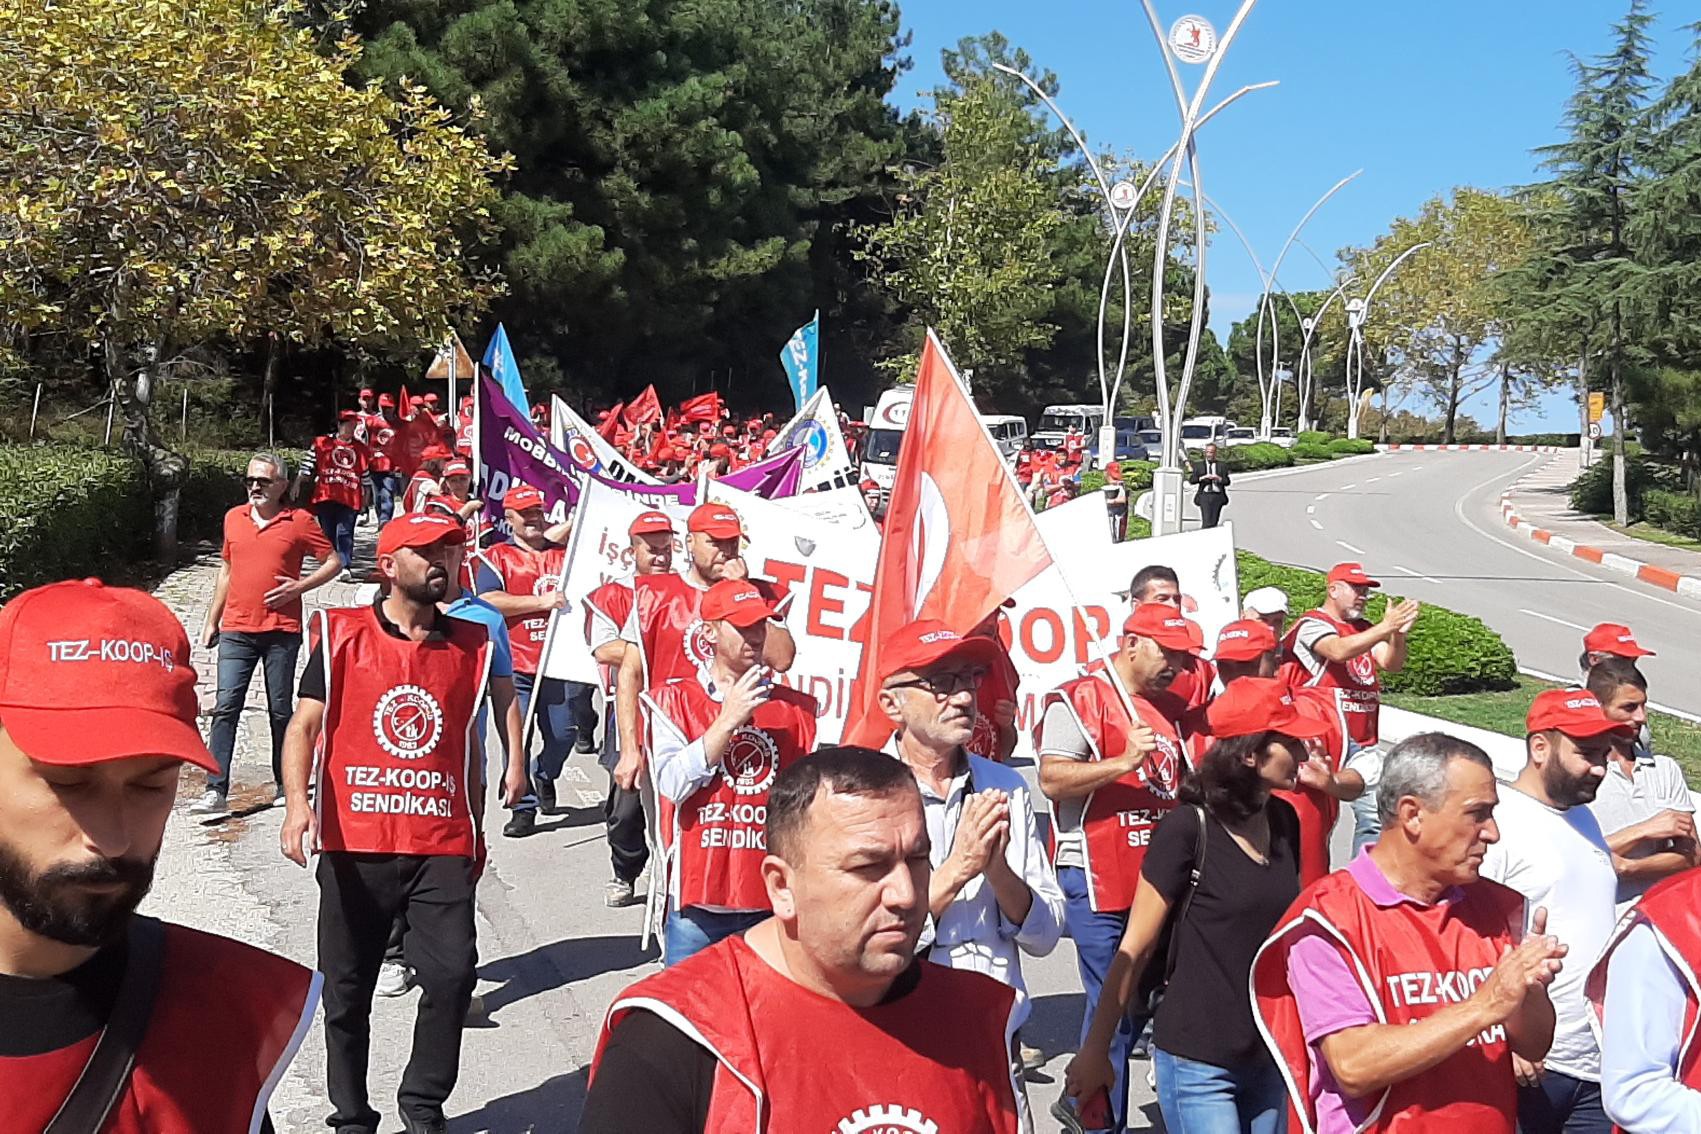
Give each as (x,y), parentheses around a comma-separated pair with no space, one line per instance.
(1373,480)
(1413,574)
(1393,474)
(1311,509)
(1415,468)
(1348,487)
(1316,525)
(1551,618)
(1321,496)
(1350,547)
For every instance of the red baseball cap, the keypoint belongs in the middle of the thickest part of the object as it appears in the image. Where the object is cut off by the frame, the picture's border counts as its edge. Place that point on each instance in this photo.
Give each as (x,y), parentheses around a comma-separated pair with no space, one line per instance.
(1252,705)
(521,496)
(431,399)
(716,521)
(1614,638)
(719,451)
(457,468)
(1165,626)
(418,529)
(1351,573)
(91,673)
(1575,712)
(435,453)
(385,401)
(1245,640)
(348,415)
(650,522)
(366,391)
(736,601)
(928,641)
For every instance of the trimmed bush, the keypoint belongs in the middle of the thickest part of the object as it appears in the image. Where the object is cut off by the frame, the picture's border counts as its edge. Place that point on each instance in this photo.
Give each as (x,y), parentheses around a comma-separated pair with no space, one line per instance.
(1677,512)
(1591,492)
(1311,451)
(1260,455)
(1447,652)
(1314,437)
(1354,447)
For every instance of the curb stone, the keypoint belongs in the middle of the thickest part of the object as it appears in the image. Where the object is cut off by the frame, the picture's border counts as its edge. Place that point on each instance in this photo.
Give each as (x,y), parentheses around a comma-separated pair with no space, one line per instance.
(1623,564)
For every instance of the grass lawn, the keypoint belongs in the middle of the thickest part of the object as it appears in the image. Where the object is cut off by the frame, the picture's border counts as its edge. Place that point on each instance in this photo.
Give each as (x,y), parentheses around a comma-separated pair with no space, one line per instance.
(1648,533)
(1504,712)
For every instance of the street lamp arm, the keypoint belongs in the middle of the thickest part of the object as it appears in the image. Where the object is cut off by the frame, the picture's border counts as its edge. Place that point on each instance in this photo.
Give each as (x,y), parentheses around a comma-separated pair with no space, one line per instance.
(1080,142)
(1389,270)
(1275,269)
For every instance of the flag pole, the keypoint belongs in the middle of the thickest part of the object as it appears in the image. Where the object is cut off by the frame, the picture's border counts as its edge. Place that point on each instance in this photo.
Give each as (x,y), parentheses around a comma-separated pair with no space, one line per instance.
(454,357)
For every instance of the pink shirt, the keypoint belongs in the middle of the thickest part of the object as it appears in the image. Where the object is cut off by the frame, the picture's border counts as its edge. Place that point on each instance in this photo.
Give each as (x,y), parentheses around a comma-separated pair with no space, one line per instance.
(1330,999)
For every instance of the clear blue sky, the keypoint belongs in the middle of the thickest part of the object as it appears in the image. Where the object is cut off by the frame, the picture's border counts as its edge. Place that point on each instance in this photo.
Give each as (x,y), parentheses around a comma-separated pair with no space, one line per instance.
(1423,95)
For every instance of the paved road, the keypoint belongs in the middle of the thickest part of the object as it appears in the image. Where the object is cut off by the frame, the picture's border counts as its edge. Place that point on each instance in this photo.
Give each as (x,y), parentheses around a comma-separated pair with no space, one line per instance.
(1428,524)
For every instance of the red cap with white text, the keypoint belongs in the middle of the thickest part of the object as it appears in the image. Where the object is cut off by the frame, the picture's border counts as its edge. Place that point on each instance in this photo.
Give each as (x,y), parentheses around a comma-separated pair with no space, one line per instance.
(1164,625)
(1575,712)
(1245,640)
(90,673)
(1353,573)
(1614,638)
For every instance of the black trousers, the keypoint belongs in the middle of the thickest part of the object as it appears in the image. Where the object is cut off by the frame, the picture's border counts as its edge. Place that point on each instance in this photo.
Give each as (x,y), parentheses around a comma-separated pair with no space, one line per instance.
(1210,508)
(623,812)
(360,896)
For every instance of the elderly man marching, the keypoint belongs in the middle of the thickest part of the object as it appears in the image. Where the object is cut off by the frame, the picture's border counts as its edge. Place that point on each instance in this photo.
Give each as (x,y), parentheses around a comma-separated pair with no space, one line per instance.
(386,721)
(717,740)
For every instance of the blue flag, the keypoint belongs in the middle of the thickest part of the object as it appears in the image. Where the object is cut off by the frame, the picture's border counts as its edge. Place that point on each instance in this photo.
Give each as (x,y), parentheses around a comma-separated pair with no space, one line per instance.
(800,356)
(499,360)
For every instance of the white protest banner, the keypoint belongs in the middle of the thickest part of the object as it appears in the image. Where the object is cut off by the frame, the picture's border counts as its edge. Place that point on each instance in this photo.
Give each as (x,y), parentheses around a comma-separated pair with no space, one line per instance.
(843,506)
(599,552)
(826,462)
(829,570)
(577,438)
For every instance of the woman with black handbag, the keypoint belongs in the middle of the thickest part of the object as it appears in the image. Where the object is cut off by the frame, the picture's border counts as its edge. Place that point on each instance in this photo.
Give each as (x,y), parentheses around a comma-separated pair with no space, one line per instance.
(1214,1074)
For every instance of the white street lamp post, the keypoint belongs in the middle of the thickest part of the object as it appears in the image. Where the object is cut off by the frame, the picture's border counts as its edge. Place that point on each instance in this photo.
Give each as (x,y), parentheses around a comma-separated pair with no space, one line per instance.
(1358,310)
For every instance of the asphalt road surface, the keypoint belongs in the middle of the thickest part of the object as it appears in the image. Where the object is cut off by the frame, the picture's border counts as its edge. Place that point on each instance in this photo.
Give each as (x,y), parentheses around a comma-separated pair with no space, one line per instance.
(1428,525)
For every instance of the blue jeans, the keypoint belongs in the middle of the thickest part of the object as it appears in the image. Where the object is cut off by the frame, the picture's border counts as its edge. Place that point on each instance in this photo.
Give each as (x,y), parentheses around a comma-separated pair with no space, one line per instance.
(693,929)
(1096,937)
(1559,1104)
(1367,824)
(386,487)
(554,726)
(275,651)
(1202,1098)
(338,522)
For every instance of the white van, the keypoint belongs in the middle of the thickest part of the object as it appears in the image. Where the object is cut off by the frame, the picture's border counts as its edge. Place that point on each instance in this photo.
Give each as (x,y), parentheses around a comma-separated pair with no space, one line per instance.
(886,427)
(1197,432)
(1009,433)
(1057,422)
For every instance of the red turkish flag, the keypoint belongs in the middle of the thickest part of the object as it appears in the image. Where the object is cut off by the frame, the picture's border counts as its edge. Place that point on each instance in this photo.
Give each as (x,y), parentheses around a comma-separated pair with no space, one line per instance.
(646,407)
(704,407)
(959,537)
(609,426)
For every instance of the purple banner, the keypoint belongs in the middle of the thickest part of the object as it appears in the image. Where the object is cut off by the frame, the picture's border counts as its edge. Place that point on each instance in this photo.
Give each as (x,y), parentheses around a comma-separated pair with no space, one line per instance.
(510,449)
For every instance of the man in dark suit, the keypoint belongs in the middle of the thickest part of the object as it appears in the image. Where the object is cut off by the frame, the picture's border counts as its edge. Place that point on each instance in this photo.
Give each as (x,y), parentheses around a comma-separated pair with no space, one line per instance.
(1212,477)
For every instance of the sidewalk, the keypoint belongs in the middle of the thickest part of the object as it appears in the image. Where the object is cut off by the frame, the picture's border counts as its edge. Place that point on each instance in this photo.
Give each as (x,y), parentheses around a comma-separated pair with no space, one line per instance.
(1538,505)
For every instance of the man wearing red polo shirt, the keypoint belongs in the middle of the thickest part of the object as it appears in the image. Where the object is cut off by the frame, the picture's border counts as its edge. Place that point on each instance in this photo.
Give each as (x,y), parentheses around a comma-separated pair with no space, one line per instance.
(113,1021)
(717,740)
(668,637)
(1336,648)
(337,465)
(255,616)
(1111,762)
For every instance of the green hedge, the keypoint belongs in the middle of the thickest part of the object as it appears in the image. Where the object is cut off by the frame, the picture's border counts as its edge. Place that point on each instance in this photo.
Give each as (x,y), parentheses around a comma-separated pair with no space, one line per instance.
(67,511)
(1591,491)
(1446,652)
(1314,437)
(1678,512)
(1258,455)
(1311,451)
(1353,447)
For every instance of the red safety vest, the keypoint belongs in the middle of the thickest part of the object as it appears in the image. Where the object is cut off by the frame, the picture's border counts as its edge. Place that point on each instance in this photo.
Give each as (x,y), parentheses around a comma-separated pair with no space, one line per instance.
(1355,683)
(398,762)
(1317,810)
(1119,818)
(204,1064)
(524,572)
(422,487)
(674,641)
(380,435)
(614,602)
(1412,961)
(1001,684)
(1192,686)
(338,466)
(936,1059)
(1672,909)
(718,832)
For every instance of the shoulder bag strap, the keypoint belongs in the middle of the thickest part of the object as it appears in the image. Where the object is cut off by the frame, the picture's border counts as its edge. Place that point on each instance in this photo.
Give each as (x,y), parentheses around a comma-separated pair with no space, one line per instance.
(1180,914)
(106,1076)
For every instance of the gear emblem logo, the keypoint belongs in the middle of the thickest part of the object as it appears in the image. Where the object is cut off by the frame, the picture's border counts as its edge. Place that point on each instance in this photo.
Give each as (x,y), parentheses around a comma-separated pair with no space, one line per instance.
(546,583)
(343,457)
(1163,769)
(1363,669)
(889,1119)
(752,761)
(983,741)
(700,644)
(408,722)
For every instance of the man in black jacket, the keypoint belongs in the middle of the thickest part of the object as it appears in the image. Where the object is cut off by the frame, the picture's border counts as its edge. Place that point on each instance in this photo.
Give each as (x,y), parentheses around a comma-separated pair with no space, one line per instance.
(1212,477)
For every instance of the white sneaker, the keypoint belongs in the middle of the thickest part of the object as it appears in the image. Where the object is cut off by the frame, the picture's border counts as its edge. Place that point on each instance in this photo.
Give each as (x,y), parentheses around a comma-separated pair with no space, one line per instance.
(618,893)
(210,803)
(393,980)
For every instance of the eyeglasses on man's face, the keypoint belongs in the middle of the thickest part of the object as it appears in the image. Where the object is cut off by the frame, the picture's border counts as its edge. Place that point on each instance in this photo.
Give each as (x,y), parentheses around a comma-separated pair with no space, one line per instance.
(945,684)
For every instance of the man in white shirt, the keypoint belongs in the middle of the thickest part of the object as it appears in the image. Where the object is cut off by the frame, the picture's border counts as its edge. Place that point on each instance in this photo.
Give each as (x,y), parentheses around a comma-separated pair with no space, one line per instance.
(1552,851)
(993,893)
(1644,806)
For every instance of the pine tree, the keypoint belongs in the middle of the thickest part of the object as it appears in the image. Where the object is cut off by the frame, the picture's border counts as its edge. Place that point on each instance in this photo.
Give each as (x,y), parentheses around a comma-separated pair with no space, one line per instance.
(1665,227)
(1589,281)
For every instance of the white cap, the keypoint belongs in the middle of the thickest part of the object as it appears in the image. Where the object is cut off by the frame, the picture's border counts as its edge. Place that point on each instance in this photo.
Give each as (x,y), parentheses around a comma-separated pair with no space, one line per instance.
(1267,600)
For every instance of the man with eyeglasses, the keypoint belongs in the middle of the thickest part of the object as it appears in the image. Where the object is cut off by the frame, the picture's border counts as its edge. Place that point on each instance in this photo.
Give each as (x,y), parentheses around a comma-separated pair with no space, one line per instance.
(255,615)
(993,894)
(1111,763)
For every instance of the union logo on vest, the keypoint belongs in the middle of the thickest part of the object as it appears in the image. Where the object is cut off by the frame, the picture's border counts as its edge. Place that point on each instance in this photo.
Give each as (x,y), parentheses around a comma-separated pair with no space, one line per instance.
(408,722)
(752,761)
(888,1120)
(700,644)
(1363,669)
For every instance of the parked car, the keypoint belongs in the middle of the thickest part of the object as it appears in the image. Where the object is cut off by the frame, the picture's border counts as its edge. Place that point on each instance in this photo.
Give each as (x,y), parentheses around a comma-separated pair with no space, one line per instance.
(1129,447)
(1282,437)
(1240,435)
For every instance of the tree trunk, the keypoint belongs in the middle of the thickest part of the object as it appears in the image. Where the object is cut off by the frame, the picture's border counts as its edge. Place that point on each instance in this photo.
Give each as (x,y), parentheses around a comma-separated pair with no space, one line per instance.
(130,369)
(1382,433)
(1505,401)
(269,383)
(1447,428)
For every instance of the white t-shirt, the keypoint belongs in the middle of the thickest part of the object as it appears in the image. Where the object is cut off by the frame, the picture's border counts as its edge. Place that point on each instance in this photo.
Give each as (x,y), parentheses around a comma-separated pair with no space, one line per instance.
(1559,860)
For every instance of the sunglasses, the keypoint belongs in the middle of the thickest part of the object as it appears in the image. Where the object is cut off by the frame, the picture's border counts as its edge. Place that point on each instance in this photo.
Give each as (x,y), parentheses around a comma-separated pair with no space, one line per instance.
(258,481)
(943,685)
